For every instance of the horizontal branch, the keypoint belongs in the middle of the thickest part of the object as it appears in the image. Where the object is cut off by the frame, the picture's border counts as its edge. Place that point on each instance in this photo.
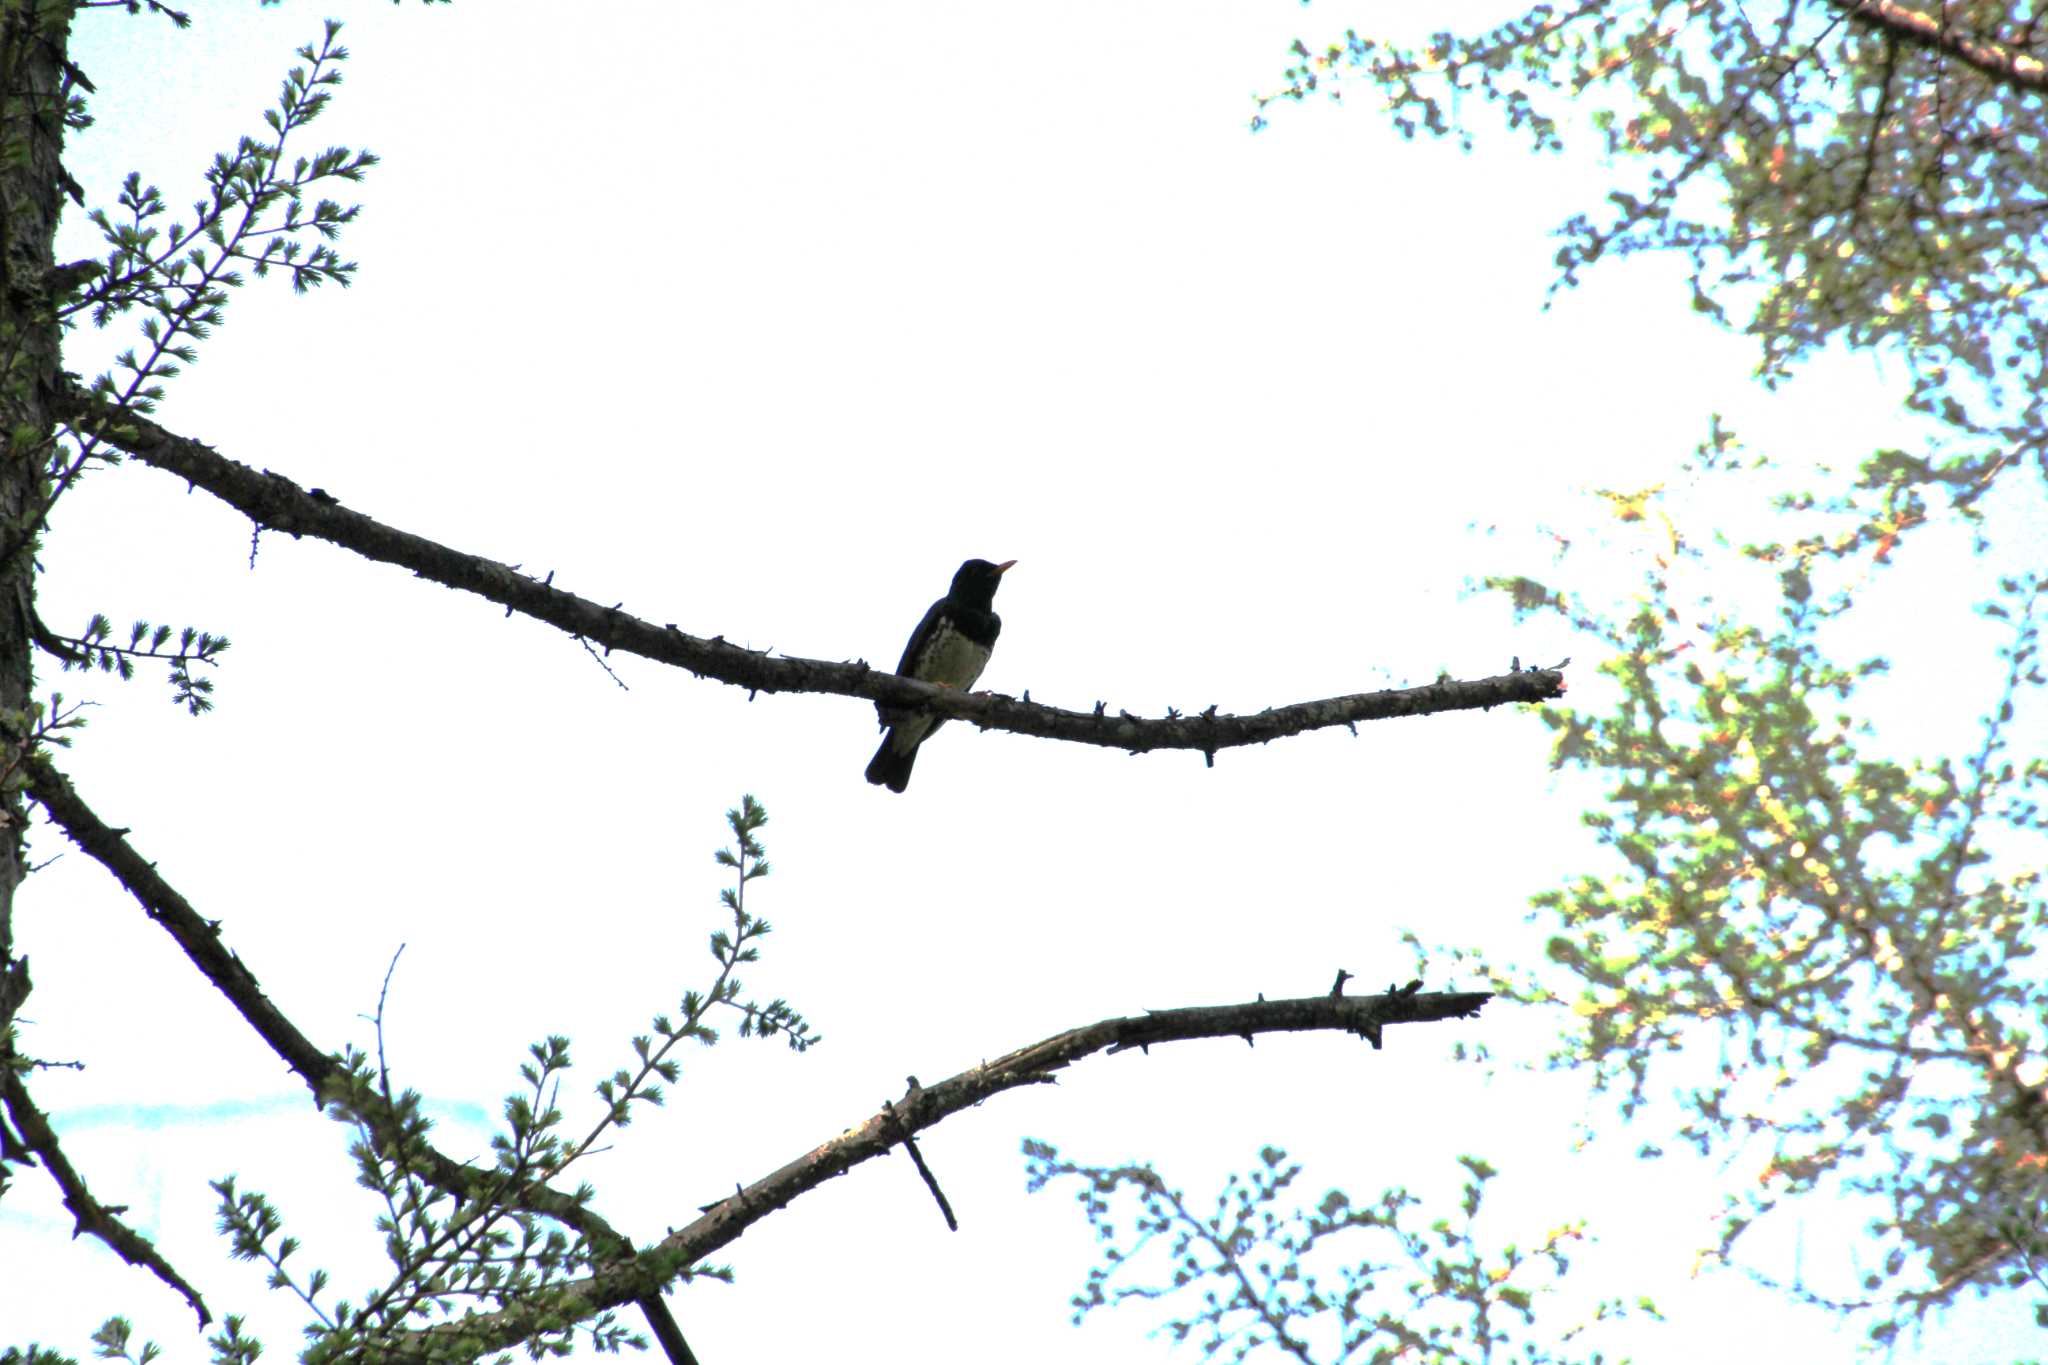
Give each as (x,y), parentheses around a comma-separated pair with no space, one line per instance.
(2004,64)
(623,1282)
(274,501)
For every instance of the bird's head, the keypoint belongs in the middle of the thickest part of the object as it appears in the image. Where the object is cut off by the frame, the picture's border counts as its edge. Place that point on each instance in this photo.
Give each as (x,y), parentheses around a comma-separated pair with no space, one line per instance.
(978,580)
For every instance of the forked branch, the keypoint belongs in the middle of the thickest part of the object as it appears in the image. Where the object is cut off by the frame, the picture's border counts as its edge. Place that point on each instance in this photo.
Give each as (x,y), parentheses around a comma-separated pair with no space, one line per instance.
(641,1276)
(921,1108)
(201,940)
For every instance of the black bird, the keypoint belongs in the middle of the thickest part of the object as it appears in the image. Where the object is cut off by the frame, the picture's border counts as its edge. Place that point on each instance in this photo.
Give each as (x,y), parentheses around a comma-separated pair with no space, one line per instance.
(950,647)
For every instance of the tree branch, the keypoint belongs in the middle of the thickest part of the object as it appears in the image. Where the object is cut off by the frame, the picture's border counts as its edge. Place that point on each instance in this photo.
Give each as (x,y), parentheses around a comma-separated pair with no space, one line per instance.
(2004,64)
(274,501)
(201,940)
(100,1220)
(477,1334)
(199,937)
(641,1277)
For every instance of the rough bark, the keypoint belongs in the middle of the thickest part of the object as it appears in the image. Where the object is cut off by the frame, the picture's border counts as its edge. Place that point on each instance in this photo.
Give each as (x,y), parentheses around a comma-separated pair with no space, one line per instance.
(275,502)
(640,1276)
(622,1282)
(33,72)
(202,942)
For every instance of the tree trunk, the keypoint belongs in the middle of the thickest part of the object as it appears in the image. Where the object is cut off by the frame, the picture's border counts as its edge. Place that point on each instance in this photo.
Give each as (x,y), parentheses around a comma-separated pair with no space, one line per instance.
(33,39)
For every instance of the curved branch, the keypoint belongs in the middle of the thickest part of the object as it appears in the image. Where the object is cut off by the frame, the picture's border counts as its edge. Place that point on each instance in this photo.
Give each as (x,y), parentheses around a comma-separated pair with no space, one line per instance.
(57,646)
(2004,64)
(274,501)
(478,1334)
(201,940)
(641,1277)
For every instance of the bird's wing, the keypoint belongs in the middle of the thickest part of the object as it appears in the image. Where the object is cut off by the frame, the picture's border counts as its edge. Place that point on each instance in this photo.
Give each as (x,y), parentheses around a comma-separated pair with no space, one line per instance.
(919,636)
(888,715)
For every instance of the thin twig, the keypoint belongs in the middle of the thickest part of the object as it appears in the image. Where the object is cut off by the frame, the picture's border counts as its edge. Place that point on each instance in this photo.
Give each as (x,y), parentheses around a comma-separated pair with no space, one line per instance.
(931,1182)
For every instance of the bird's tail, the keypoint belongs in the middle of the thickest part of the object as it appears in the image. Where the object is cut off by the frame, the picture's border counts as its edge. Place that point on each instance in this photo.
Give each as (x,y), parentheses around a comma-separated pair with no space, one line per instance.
(890,767)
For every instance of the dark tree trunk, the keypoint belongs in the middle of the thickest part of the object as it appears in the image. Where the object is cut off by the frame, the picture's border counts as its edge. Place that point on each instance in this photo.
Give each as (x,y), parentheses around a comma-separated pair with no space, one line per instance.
(33,39)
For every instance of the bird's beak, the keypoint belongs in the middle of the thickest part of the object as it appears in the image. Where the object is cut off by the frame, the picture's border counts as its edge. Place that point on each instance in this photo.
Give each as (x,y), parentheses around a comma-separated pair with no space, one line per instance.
(1004,567)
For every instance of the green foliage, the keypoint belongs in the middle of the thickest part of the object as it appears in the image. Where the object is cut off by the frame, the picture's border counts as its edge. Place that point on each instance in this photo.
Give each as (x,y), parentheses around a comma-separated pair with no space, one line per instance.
(1865,174)
(1825,941)
(485,1238)
(731,949)
(179,18)
(33,1354)
(1849,932)
(49,723)
(112,1342)
(257,213)
(93,649)
(1261,1271)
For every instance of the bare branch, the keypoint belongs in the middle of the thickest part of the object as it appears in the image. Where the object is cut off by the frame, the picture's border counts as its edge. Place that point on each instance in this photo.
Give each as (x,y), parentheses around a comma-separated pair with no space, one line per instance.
(93,1217)
(924,1171)
(199,937)
(274,501)
(477,1334)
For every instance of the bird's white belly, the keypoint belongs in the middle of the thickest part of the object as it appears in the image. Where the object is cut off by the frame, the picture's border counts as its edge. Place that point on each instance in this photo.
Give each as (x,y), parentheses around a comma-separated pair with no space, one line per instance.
(954,660)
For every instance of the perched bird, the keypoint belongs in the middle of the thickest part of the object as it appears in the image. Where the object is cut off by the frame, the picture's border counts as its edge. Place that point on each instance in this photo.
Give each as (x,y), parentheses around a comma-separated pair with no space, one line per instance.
(950,647)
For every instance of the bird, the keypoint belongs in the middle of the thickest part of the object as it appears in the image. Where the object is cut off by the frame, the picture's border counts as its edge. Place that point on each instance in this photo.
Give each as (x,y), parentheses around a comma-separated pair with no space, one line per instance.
(950,647)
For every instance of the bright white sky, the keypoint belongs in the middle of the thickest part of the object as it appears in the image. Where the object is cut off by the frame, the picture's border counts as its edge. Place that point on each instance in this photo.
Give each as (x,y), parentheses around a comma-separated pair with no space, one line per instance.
(760,318)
